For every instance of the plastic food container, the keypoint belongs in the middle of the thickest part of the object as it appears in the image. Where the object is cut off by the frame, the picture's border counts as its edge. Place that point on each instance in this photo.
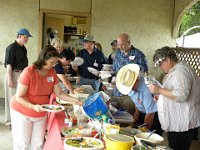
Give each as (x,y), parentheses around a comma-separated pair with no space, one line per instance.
(95,107)
(154,138)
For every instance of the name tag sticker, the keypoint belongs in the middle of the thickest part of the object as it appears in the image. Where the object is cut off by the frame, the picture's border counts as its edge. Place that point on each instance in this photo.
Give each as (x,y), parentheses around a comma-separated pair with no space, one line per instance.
(50,79)
(95,64)
(131,57)
(139,101)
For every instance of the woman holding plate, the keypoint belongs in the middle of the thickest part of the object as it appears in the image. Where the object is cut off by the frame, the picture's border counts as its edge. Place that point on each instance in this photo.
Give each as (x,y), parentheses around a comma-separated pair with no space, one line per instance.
(35,84)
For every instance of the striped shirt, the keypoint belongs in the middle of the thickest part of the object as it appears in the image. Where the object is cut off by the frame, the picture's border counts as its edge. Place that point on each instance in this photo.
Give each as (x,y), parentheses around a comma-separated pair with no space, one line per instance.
(183,113)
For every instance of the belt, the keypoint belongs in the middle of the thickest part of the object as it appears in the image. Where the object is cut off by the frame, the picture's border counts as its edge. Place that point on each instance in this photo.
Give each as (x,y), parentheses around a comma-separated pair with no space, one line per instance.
(17,70)
(95,78)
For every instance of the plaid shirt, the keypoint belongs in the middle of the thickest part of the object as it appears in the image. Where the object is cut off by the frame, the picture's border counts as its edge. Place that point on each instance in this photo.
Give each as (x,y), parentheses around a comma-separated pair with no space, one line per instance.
(135,56)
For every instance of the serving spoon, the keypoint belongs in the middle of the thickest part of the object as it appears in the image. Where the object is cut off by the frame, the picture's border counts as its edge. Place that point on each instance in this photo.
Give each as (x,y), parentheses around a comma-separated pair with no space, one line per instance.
(150,134)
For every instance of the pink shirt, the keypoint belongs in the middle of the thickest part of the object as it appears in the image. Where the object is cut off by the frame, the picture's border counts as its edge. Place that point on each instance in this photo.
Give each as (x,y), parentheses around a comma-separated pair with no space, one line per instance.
(39,90)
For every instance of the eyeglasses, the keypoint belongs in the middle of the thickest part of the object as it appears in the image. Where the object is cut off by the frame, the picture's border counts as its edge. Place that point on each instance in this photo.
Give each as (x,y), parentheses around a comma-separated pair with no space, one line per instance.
(157,62)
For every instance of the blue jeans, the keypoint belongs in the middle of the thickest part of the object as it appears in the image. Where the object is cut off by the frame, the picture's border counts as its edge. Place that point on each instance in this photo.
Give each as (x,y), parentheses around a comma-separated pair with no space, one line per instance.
(93,82)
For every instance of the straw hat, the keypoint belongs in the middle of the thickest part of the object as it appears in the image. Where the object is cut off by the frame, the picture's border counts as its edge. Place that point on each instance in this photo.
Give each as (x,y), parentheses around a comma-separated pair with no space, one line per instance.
(126,78)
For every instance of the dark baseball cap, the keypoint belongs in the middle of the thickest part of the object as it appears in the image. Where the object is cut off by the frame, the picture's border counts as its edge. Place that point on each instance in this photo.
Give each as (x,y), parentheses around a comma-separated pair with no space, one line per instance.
(24,31)
(113,42)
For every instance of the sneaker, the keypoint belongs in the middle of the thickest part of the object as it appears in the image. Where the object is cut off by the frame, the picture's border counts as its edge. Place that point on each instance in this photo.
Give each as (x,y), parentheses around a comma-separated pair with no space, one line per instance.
(8,125)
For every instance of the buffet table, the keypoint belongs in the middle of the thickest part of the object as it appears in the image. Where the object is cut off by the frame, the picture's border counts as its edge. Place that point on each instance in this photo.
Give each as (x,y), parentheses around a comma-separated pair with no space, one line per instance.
(55,122)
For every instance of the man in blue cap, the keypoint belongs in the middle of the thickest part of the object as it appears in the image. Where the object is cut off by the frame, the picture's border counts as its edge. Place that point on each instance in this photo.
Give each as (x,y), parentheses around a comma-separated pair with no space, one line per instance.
(15,61)
(111,57)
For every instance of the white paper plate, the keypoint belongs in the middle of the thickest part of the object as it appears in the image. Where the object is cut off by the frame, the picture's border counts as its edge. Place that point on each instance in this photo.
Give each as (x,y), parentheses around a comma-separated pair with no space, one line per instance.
(107,65)
(78,61)
(76,77)
(93,71)
(104,75)
(62,102)
(53,108)
(105,83)
(106,72)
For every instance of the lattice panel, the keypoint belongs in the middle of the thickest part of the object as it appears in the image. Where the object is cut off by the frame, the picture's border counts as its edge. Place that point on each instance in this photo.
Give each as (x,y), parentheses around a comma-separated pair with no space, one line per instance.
(191,56)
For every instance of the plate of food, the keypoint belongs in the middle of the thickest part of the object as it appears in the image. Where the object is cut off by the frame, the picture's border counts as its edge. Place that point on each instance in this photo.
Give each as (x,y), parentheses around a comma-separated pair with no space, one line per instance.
(79,90)
(84,143)
(70,132)
(53,108)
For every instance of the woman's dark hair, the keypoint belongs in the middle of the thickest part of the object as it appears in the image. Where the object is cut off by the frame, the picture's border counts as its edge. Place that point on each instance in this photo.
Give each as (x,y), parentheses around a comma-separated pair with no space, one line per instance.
(98,45)
(68,54)
(47,53)
(165,52)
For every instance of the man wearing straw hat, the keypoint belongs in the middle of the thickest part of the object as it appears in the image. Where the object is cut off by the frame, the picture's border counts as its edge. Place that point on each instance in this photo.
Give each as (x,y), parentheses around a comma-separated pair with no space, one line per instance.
(129,82)
(127,54)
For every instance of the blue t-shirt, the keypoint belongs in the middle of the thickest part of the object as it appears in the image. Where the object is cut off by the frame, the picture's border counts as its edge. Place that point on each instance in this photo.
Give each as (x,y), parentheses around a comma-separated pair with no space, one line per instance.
(94,60)
(143,98)
(59,68)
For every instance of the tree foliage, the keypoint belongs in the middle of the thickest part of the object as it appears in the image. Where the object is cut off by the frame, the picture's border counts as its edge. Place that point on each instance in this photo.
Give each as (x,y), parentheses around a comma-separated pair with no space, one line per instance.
(191,19)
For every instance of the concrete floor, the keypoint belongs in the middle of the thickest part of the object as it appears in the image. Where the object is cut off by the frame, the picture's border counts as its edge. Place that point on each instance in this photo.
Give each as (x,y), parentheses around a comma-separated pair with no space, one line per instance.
(6,137)
(5,132)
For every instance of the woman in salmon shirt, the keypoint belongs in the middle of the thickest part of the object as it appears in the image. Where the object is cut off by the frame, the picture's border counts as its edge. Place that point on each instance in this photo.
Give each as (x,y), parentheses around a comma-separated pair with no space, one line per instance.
(35,84)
